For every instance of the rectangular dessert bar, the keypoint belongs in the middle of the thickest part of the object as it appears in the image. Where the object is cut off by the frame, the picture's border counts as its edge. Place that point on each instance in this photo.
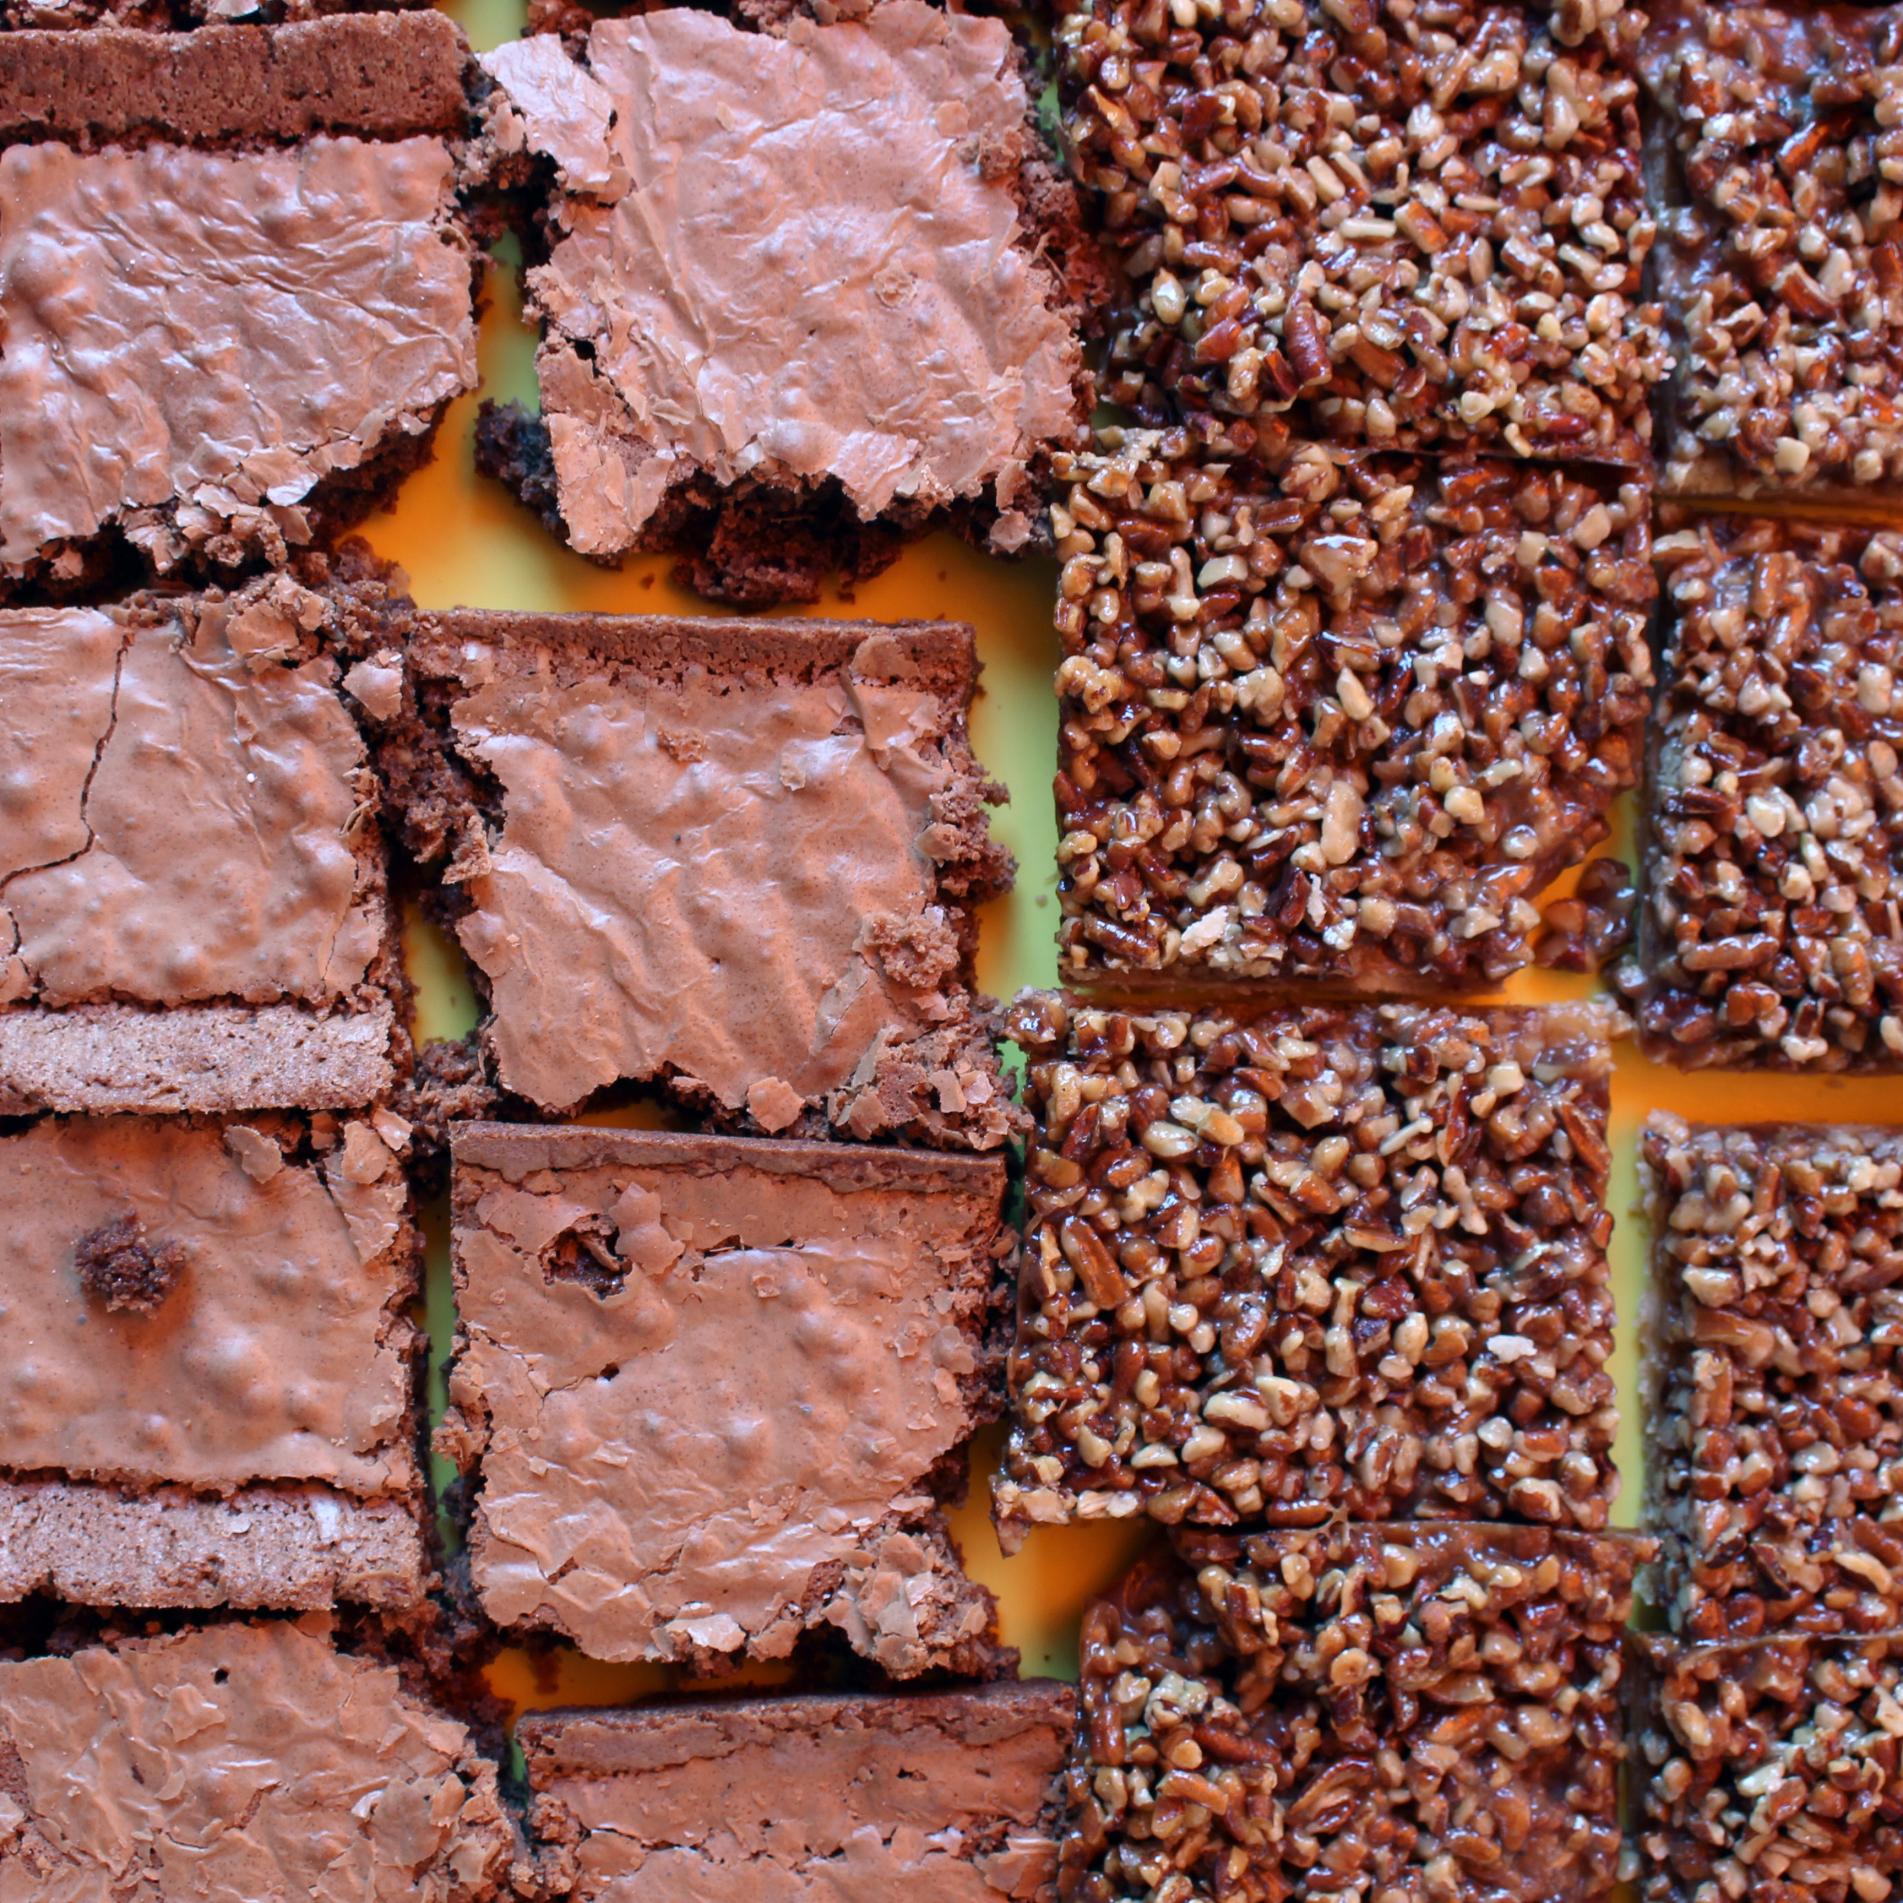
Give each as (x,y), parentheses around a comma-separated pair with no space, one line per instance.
(194,903)
(712,1391)
(209,1397)
(737,859)
(1774,1368)
(1771,931)
(236,292)
(1356,1712)
(1374,221)
(1319,1262)
(1331,714)
(950,1795)
(162,15)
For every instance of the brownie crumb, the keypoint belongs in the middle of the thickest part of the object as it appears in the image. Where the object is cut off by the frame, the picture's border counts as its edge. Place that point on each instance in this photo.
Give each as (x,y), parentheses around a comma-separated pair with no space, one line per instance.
(120,1267)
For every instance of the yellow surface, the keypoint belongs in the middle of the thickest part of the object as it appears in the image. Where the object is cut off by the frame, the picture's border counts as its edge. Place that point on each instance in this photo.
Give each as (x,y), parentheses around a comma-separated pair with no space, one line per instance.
(464,542)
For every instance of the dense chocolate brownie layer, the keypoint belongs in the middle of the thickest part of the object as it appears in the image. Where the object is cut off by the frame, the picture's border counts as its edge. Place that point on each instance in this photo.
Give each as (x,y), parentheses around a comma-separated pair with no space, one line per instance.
(210,1397)
(952,1796)
(712,1389)
(235,1762)
(194,912)
(739,858)
(158,16)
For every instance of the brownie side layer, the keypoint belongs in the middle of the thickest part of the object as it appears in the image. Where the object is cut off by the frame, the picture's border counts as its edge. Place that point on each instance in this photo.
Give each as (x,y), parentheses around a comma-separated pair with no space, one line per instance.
(161,16)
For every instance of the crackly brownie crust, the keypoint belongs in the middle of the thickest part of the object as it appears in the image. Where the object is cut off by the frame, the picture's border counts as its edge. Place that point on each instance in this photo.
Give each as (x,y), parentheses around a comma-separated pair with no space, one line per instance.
(1775,1387)
(1355,1711)
(1320,1262)
(1336,715)
(1373,221)
(1771,932)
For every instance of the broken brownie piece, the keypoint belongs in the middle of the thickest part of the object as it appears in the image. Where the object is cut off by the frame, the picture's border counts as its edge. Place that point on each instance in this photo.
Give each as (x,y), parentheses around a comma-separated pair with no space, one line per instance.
(209,1397)
(801,285)
(1356,1712)
(1771,934)
(1336,715)
(240,1760)
(1774,1364)
(1321,1262)
(235,290)
(194,905)
(735,858)
(713,1390)
(946,1795)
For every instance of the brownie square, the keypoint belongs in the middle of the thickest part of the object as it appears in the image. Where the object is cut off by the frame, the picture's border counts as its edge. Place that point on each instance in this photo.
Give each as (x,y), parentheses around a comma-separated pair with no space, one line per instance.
(805,290)
(1771,935)
(159,16)
(1356,1712)
(1772,1770)
(194,902)
(210,1396)
(713,1391)
(1329,714)
(1314,1263)
(1779,261)
(734,859)
(235,289)
(1773,1330)
(240,1760)
(1377,222)
(952,1794)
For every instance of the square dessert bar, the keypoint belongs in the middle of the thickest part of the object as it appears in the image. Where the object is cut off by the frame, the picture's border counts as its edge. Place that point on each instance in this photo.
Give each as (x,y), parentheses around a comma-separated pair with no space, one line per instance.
(806,290)
(238,1760)
(1356,1713)
(1772,1770)
(805,1799)
(194,904)
(1774,1360)
(1396,223)
(1329,714)
(235,290)
(713,1391)
(1782,173)
(735,858)
(1322,1262)
(1771,930)
(209,1398)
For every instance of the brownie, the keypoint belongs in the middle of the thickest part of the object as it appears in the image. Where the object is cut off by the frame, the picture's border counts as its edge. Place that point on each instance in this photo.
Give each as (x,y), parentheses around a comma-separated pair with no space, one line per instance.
(160,15)
(713,1390)
(1771,935)
(1377,222)
(1314,1263)
(735,859)
(946,1795)
(236,291)
(1778,258)
(240,1760)
(210,1395)
(194,902)
(1336,715)
(1355,1712)
(849,312)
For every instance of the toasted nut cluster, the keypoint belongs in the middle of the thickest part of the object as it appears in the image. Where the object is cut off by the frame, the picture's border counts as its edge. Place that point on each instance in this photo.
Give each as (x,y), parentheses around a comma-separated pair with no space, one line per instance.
(1393,222)
(1773,925)
(1355,1713)
(1589,930)
(1772,1771)
(1774,1369)
(1781,265)
(1335,713)
(1321,1262)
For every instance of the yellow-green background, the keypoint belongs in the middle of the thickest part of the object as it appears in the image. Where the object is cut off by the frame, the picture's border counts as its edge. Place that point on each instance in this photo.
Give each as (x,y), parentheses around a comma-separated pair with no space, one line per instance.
(464,542)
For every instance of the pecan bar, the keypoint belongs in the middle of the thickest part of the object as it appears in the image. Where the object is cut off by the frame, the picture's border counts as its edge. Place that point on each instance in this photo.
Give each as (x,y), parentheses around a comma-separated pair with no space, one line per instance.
(1329,714)
(1322,1262)
(1780,261)
(1376,221)
(1774,1360)
(1356,1713)
(1772,928)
